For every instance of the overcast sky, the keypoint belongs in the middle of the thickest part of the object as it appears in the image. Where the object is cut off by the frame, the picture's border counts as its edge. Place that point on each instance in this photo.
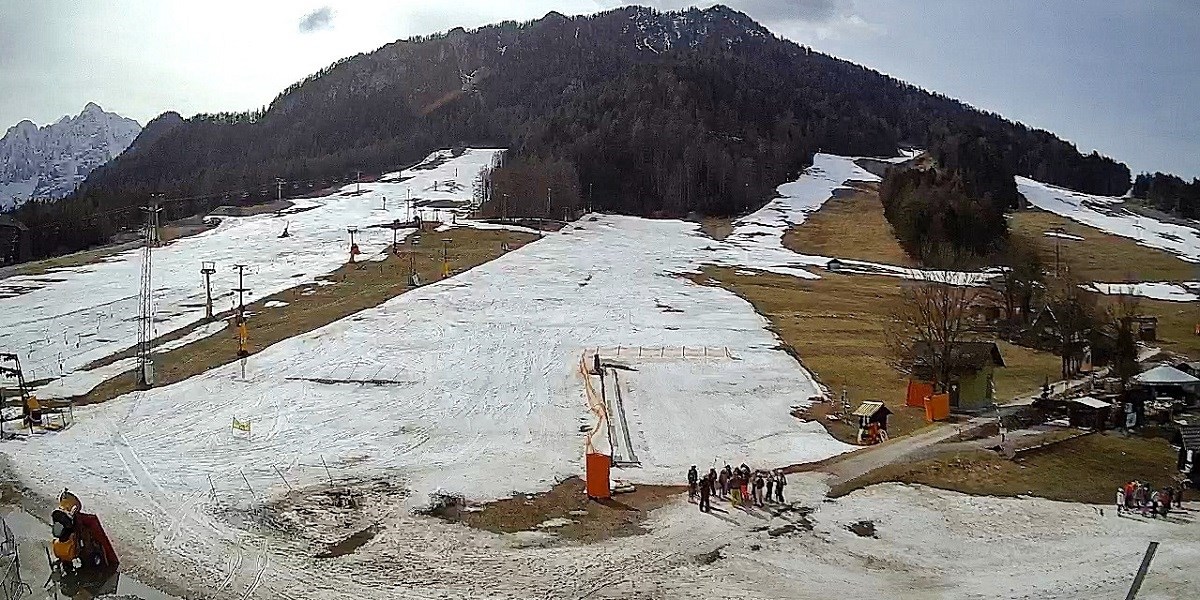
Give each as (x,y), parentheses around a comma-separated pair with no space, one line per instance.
(1120,76)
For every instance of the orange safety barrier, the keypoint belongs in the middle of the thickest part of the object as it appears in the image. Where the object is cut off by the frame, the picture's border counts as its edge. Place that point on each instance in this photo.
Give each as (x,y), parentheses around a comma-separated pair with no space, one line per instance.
(917,392)
(598,485)
(937,407)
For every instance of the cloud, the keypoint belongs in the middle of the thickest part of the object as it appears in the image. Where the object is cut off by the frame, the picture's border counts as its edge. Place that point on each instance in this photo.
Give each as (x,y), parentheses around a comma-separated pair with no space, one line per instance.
(319,19)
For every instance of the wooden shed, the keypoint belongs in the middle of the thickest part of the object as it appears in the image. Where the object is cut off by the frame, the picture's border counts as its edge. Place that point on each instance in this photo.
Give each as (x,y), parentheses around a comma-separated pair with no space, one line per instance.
(872,422)
(1088,412)
(971,384)
(1187,439)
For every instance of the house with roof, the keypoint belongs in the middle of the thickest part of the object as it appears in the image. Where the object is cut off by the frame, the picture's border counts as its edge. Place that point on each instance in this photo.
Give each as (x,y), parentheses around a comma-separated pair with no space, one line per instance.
(1169,382)
(14,241)
(972,378)
(1088,412)
(1187,439)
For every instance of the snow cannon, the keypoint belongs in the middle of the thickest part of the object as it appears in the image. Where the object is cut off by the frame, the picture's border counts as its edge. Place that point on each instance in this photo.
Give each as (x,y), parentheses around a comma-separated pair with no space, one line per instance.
(79,537)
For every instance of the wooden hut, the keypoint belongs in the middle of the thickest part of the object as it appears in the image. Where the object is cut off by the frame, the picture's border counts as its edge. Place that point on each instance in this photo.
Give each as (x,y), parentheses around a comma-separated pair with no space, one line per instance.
(1088,412)
(872,422)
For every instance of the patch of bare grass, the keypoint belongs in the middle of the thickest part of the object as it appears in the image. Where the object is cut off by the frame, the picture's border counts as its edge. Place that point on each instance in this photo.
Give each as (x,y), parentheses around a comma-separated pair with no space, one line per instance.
(1082,469)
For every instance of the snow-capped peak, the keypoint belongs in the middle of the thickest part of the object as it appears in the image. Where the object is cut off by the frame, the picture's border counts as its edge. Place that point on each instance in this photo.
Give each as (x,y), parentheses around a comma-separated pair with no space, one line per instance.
(51,161)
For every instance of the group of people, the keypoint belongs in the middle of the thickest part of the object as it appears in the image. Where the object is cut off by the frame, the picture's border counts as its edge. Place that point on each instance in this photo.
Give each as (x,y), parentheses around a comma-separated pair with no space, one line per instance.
(1138,496)
(741,486)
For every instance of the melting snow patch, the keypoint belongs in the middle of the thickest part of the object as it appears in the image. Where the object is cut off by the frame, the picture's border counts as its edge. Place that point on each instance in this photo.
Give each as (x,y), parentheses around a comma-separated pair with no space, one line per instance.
(275,304)
(1064,236)
(1107,214)
(1155,290)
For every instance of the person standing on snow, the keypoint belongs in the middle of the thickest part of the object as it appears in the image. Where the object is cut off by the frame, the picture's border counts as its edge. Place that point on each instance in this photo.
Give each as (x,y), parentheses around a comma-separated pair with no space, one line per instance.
(712,482)
(723,482)
(771,486)
(735,488)
(758,488)
(744,487)
(1120,500)
(780,481)
(693,479)
(705,494)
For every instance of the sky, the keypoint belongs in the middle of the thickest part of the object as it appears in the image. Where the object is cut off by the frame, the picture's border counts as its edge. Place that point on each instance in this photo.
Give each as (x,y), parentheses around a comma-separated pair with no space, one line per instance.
(1116,76)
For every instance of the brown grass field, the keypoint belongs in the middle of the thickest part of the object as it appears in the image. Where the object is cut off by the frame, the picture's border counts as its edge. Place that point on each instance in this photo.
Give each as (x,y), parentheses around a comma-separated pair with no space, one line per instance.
(1084,469)
(1104,257)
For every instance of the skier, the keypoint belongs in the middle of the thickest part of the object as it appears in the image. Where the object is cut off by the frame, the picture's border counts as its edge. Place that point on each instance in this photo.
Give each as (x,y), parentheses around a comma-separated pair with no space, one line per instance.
(780,481)
(705,494)
(693,478)
(758,488)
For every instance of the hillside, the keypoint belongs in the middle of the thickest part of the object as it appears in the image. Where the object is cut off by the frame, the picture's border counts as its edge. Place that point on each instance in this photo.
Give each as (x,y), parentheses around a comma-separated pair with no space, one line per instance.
(655,112)
(50,161)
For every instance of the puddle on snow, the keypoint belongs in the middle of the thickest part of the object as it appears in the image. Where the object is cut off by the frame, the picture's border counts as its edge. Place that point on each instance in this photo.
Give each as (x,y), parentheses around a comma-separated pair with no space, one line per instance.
(32,538)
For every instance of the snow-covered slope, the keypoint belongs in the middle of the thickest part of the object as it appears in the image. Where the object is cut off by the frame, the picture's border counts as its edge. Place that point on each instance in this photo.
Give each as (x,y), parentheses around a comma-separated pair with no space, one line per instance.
(1106,214)
(50,161)
(76,315)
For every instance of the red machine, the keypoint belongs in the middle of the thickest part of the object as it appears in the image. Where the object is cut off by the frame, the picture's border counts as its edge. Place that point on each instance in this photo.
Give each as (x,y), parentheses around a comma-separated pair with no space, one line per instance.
(79,537)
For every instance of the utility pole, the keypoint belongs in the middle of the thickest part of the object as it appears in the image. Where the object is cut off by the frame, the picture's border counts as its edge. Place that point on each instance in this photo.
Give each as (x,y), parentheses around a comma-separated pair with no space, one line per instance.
(243,334)
(504,207)
(353,247)
(395,236)
(278,189)
(548,213)
(385,203)
(357,182)
(445,260)
(1141,572)
(207,269)
(146,298)
(1058,232)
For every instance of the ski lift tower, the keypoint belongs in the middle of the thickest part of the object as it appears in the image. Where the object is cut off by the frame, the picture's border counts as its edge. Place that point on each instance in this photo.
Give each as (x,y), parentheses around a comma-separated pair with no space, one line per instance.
(207,269)
(146,298)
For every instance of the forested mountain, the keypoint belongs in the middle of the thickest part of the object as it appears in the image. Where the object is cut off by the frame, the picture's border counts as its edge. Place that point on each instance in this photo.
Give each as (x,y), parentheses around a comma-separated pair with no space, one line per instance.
(651,112)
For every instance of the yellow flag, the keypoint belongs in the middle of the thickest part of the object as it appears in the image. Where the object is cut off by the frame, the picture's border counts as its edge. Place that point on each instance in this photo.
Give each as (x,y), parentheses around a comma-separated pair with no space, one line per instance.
(241,425)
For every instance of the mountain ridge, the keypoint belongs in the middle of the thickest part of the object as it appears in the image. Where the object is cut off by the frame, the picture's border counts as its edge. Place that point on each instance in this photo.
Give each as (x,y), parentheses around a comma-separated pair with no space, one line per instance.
(52,160)
(654,113)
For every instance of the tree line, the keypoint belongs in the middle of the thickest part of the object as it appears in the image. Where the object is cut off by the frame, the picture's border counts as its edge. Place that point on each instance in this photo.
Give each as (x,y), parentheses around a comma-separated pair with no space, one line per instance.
(1169,193)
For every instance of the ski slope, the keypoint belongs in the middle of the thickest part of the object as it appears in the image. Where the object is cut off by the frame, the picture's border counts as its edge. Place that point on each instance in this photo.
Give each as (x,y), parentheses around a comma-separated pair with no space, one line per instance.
(1106,214)
(70,317)
(465,386)
(756,241)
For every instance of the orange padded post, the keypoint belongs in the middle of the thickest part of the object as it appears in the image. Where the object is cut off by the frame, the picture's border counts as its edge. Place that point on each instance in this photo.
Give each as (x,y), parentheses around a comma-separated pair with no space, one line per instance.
(937,407)
(597,467)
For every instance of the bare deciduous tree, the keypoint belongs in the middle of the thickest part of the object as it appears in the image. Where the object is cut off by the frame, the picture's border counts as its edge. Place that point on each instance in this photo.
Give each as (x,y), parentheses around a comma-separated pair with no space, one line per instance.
(932,318)
(1120,322)
(1074,312)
